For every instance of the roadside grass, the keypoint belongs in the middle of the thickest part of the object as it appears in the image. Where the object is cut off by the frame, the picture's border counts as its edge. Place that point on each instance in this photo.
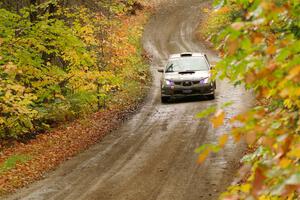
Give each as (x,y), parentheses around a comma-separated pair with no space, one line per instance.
(12,161)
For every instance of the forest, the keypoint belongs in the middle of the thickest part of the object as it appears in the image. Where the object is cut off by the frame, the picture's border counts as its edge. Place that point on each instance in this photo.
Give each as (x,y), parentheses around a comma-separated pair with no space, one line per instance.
(60,59)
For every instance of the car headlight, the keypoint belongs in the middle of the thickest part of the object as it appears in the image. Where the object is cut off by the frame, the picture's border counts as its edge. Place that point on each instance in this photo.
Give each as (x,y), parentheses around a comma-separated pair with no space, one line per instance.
(204,80)
(169,82)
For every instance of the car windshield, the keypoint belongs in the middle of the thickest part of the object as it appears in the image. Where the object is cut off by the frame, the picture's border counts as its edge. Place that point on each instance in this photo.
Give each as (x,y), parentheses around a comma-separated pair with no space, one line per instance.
(187,64)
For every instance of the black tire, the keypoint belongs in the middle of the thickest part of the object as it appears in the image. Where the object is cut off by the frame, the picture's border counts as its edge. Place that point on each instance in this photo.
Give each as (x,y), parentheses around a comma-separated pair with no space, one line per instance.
(211,96)
(164,99)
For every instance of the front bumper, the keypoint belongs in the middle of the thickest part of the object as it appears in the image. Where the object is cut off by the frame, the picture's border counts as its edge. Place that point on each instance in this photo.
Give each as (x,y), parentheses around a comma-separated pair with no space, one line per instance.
(183,91)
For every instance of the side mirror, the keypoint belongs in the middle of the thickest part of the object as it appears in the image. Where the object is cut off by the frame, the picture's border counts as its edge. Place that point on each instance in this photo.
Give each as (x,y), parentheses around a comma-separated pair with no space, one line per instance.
(160,70)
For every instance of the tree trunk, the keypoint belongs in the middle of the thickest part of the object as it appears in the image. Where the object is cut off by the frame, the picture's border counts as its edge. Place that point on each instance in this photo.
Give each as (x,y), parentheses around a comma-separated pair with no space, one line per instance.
(33,11)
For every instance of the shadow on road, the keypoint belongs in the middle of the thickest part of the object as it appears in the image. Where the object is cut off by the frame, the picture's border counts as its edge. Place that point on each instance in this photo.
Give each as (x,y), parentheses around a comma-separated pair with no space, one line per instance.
(188,100)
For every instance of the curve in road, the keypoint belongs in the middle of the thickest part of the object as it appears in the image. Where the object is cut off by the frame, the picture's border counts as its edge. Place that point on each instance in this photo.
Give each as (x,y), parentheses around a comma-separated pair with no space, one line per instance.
(151,157)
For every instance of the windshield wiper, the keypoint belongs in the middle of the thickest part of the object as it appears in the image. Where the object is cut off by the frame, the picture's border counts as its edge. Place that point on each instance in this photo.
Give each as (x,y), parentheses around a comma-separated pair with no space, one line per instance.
(170,68)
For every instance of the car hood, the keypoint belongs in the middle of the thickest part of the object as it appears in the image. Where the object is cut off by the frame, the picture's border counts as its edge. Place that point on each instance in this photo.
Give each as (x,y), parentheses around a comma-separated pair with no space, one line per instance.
(175,76)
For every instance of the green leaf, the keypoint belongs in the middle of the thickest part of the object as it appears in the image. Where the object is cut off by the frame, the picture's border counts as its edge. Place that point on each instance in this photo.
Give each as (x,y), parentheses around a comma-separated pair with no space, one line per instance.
(206,112)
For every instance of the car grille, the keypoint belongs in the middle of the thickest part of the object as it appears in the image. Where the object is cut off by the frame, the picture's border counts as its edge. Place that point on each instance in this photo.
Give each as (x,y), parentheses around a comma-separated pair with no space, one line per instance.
(186,83)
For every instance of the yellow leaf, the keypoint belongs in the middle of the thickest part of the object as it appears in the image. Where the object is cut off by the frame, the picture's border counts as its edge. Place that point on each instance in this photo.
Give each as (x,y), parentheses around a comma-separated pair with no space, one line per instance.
(284,163)
(264,197)
(218,119)
(202,157)
(288,103)
(245,188)
(205,10)
(297,92)
(295,153)
(223,140)
(2,120)
(284,92)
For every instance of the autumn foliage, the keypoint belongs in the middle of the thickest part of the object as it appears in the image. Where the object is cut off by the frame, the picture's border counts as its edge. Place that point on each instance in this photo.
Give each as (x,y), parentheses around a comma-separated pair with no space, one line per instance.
(261,50)
(58,62)
(93,59)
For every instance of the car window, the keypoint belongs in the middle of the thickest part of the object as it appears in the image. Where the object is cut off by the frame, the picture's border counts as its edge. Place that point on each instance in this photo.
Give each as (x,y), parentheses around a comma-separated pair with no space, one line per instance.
(187,64)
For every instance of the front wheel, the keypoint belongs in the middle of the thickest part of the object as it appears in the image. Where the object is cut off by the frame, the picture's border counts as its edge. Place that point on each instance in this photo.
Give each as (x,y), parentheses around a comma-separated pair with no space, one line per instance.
(212,96)
(164,99)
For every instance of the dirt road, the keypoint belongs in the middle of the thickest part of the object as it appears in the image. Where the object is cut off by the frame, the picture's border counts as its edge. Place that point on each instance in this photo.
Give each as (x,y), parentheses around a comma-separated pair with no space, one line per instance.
(151,157)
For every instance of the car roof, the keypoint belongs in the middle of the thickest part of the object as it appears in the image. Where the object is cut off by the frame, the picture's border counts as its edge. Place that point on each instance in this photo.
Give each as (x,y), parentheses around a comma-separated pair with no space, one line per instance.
(186,54)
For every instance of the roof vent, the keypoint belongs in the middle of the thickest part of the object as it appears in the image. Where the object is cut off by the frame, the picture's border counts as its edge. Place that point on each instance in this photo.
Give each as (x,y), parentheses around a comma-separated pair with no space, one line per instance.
(186,54)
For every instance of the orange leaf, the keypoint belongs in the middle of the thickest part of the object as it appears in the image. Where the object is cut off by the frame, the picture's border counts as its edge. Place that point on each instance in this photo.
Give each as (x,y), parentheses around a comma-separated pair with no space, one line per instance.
(295,72)
(272,66)
(232,197)
(218,119)
(257,38)
(284,162)
(223,140)
(271,49)
(236,135)
(250,137)
(258,182)
(232,46)
(268,141)
(202,157)
(250,77)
